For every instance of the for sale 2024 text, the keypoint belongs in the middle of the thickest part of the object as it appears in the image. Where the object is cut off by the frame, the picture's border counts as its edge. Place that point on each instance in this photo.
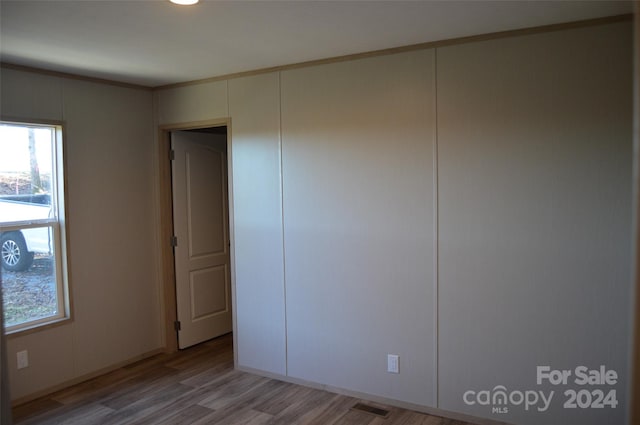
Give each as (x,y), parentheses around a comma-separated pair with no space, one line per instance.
(583,376)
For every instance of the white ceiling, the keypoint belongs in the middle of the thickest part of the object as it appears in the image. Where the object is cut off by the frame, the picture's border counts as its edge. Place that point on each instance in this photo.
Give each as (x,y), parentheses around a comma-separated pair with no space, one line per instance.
(153,42)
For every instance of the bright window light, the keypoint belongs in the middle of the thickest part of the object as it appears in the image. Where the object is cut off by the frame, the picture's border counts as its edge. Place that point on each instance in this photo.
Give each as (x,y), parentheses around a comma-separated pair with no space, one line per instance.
(32,226)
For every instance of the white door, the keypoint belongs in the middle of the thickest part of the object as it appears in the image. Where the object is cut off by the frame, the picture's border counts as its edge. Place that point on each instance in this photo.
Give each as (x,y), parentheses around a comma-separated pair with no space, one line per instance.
(203,291)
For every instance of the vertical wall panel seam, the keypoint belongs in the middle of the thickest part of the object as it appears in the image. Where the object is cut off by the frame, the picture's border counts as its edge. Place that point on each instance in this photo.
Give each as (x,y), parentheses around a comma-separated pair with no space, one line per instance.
(157,231)
(284,268)
(228,108)
(436,260)
(232,241)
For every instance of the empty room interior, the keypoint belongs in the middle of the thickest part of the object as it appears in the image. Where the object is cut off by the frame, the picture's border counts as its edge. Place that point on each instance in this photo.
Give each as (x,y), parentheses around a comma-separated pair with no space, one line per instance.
(426,208)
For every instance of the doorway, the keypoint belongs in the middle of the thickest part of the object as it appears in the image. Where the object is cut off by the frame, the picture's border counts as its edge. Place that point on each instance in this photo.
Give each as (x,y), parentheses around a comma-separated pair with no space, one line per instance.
(195,220)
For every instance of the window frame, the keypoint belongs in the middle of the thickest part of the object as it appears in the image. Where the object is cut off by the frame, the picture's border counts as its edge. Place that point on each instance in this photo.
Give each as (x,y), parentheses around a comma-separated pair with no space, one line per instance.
(57,224)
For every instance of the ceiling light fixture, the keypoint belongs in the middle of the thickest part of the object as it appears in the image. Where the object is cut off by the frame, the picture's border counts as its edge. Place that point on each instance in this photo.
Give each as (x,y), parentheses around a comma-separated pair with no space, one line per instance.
(184,2)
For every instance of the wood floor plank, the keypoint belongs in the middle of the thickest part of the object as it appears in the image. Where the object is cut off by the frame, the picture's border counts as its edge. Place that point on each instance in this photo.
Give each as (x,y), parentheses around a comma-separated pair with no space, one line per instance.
(207,375)
(173,416)
(232,391)
(413,418)
(353,417)
(250,416)
(282,398)
(200,386)
(150,381)
(146,405)
(84,414)
(187,402)
(235,415)
(305,409)
(338,406)
(233,411)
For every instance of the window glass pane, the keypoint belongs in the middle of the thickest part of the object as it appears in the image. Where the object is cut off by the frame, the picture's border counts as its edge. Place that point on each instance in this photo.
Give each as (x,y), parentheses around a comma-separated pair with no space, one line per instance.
(26,173)
(33,285)
(29,288)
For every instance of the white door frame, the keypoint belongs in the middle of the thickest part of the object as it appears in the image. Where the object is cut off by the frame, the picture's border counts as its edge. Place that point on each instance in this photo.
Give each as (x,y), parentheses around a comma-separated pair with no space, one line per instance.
(165,233)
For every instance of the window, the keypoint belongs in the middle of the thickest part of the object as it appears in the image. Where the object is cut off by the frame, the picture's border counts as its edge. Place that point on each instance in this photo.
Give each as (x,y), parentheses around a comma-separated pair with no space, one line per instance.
(32,232)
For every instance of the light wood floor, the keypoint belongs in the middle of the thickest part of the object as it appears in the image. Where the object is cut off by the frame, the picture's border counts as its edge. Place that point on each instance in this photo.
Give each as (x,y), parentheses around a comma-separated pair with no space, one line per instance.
(200,386)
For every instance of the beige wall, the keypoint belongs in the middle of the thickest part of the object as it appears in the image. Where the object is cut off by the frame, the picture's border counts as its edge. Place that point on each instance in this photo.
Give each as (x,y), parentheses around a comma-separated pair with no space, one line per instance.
(198,102)
(112,248)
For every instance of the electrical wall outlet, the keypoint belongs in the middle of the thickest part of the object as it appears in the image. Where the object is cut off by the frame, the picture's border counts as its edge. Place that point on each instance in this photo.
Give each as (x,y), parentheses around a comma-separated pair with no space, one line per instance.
(23,359)
(393,365)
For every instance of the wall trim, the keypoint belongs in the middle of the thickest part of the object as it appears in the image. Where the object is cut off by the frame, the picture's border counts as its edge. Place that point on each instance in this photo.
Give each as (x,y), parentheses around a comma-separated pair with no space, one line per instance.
(60,74)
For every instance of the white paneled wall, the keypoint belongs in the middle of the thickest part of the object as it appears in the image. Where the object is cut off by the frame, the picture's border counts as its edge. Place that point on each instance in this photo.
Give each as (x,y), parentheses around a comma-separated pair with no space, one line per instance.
(257,214)
(358,211)
(534,143)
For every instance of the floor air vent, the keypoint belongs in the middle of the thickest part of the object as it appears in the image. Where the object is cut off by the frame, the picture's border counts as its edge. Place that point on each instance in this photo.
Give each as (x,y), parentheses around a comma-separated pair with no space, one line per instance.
(371,410)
